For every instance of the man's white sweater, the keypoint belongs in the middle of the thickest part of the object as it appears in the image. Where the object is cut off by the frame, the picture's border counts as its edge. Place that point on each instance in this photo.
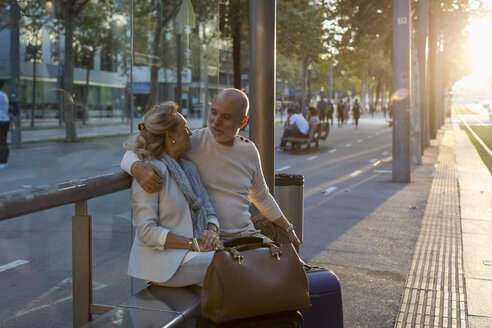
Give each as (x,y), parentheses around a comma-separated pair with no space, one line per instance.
(233,178)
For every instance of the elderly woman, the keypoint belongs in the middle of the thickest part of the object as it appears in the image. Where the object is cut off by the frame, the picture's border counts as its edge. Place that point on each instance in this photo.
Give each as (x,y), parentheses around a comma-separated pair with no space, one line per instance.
(177,230)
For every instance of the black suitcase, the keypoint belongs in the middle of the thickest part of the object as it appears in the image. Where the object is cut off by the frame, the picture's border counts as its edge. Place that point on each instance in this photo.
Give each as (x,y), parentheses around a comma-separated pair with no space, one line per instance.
(326,299)
(288,319)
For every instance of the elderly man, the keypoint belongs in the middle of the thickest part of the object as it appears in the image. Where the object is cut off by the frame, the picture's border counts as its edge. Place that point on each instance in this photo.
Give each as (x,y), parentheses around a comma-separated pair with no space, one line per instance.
(230,169)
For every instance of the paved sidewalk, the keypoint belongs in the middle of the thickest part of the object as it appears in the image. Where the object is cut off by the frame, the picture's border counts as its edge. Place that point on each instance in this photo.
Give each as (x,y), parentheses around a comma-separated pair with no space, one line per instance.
(50,131)
(475,188)
(450,283)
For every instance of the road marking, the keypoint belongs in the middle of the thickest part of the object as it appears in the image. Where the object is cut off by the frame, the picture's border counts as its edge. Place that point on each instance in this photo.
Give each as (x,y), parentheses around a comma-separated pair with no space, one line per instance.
(283,168)
(376,163)
(115,163)
(384,153)
(360,140)
(329,190)
(332,151)
(369,137)
(12,265)
(373,160)
(31,308)
(348,145)
(382,171)
(311,158)
(355,173)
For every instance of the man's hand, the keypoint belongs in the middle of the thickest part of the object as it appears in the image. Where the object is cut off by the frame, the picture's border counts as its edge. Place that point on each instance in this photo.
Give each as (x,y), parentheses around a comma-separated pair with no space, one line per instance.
(209,240)
(148,176)
(294,240)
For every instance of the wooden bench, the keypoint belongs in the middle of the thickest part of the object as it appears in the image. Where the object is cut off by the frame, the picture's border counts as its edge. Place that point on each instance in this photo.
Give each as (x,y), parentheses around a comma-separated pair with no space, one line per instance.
(313,137)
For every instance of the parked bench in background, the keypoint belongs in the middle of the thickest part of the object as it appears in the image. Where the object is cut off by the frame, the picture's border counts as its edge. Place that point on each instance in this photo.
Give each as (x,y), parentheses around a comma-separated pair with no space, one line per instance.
(313,137)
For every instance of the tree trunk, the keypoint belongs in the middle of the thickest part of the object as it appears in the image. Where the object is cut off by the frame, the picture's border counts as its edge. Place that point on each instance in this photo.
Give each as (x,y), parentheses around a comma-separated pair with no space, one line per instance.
(154,65)
(236,44)
(415,130)
(304,81)
(33,103)
(70,128)
(179,67)
(378,91)
(15,70)
(86,88)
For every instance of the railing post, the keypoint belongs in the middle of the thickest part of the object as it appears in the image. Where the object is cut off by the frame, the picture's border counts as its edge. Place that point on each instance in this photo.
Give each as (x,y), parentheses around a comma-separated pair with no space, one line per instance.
(81,264)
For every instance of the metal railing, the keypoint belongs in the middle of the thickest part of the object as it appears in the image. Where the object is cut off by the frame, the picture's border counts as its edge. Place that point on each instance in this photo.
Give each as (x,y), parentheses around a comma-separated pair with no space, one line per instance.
(21,202)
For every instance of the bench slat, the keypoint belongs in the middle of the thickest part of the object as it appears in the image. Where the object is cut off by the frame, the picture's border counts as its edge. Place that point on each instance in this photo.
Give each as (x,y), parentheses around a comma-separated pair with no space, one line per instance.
(153,307)
(126,317)
(185,300)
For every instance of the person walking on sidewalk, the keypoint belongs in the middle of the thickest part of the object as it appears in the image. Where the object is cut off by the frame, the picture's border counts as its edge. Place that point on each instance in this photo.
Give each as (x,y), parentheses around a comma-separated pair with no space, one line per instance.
(372,109)
(322,109)
(329,112)
(356,113)
(4,127)
(340,112)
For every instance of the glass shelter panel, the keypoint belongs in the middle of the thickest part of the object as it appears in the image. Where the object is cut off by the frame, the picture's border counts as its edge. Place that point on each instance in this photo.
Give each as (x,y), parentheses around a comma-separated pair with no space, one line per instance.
(66,68)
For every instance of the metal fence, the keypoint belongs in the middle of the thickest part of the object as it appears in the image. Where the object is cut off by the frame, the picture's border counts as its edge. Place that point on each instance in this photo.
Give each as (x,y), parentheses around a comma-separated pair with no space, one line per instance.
(16,203)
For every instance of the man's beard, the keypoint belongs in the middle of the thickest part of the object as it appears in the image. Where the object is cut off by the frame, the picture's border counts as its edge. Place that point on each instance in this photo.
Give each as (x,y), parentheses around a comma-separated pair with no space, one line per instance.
(226,136)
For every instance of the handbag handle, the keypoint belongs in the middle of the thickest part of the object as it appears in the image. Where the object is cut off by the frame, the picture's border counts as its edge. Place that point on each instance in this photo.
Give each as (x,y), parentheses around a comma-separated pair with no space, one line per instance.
(235,251)
(257,245)
(238,241)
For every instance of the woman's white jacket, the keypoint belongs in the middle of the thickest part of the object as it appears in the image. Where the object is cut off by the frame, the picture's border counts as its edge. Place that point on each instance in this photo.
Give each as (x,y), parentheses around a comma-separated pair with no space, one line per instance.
(156,214)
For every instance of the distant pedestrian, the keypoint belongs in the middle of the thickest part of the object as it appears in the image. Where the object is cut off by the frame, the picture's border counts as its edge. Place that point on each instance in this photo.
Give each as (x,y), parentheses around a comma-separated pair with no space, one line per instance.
(372,109)
(356,113)
(390,109)
(340,112)
(313,115)
(347,110)
(4,127)
(384,111)
(322,107)
(329,111)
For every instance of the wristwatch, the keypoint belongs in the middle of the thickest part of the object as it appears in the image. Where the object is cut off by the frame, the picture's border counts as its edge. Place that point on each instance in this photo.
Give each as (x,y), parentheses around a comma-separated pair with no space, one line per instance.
(289,228)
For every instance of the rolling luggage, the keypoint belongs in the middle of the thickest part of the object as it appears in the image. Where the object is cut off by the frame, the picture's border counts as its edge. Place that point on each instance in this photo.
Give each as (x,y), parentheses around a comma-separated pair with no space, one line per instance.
(326,299)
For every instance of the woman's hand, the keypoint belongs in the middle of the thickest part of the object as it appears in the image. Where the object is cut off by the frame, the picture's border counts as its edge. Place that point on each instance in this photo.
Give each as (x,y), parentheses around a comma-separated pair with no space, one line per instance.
(209,240)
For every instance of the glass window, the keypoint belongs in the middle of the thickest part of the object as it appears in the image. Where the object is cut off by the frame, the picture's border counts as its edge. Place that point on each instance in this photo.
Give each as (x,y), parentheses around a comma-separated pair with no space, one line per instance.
(67,67)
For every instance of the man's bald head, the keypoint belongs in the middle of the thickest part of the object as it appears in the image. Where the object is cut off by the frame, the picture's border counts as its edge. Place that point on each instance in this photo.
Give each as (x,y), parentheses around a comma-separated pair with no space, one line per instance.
(235,98)
(229,113)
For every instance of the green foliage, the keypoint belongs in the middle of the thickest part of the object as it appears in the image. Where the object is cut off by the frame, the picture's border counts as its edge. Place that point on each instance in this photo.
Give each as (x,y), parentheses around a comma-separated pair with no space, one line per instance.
(364,39)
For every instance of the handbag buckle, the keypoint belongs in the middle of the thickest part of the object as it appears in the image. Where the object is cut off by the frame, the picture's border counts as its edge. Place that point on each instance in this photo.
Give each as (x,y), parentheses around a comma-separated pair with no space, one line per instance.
(277,254)
(238,258)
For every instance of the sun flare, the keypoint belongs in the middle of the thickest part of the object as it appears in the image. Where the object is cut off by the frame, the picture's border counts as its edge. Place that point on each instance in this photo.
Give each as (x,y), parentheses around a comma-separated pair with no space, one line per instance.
(481,53)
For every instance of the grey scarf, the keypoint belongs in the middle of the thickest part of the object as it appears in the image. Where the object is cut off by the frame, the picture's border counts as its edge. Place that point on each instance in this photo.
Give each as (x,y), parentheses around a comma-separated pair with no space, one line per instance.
(189,186)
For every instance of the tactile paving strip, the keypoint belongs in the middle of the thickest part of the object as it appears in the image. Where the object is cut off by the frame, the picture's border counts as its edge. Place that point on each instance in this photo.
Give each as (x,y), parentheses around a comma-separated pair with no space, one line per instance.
(434,294)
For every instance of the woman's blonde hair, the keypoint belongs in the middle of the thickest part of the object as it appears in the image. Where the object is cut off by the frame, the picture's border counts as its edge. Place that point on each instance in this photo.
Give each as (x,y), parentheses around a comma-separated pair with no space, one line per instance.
(149,142)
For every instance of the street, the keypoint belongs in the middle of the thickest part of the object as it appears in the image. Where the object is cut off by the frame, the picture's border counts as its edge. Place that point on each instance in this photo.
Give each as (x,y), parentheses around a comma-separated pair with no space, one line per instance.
(349,225)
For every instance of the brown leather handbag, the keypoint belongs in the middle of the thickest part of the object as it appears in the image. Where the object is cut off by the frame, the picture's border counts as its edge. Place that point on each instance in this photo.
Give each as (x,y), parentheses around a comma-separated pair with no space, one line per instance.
(252,280)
